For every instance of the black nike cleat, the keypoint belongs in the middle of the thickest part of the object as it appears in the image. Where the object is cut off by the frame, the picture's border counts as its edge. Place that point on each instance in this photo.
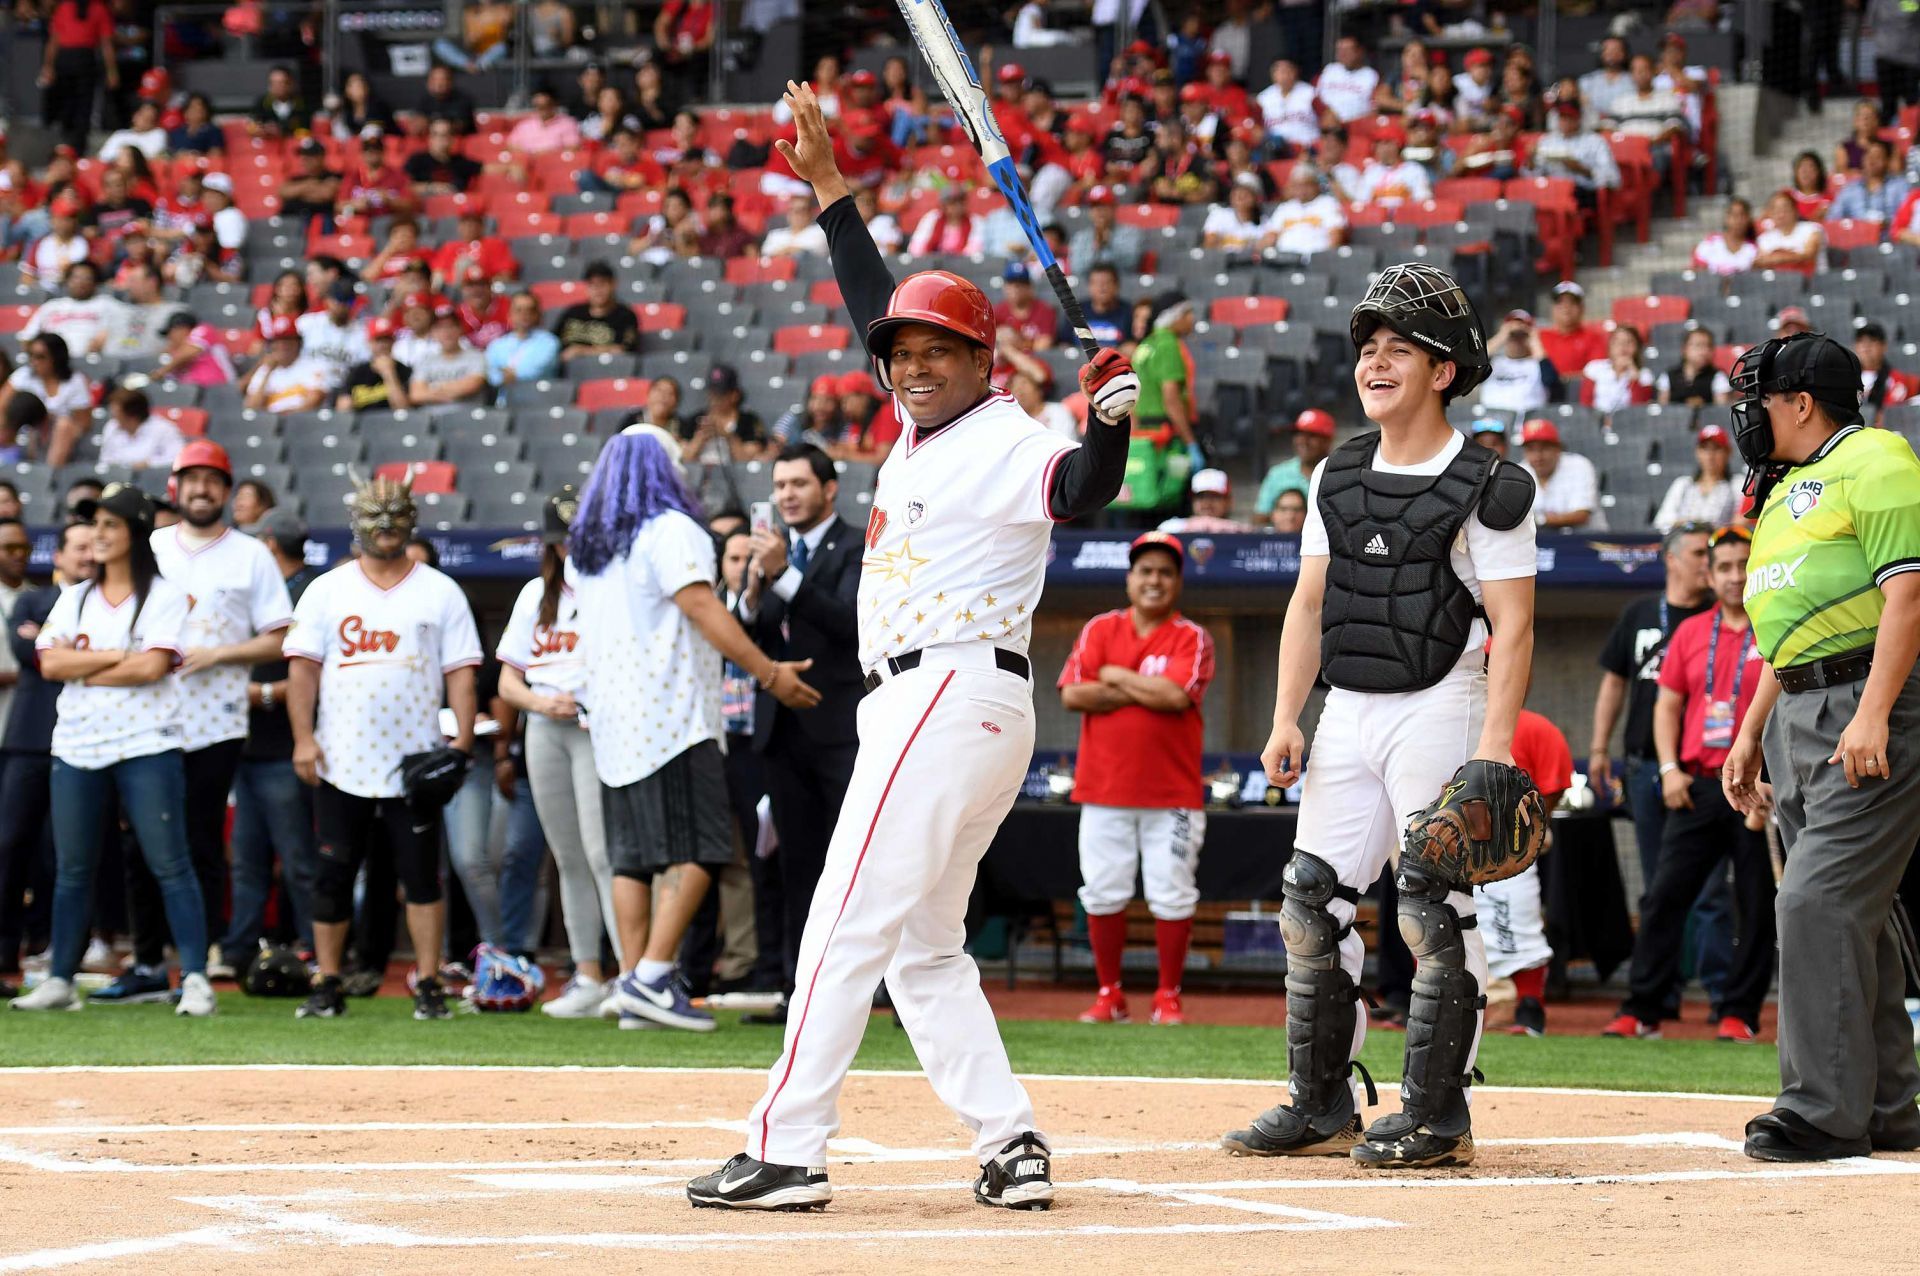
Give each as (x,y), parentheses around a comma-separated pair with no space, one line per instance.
(1017,1177)
(430,1000)
(1284,1130)
(746,1184)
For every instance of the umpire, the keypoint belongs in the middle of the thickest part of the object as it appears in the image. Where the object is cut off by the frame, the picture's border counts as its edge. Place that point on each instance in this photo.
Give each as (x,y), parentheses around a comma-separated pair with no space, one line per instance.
(1833,590)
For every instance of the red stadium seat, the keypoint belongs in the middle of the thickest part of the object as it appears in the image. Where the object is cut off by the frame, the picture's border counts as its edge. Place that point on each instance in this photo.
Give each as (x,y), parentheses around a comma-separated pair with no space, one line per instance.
(1148,216)
(521,223)
(662,316)
(1429,212)
(430,478)
(826,292)
(1467,190)
(192,421)
(1724,357)
(14,318)
(1849,234)
(559,292)
(805,338)
(1642,313)
(761,270)
(345,247)
(590,225)
(1246,312)
(612,392)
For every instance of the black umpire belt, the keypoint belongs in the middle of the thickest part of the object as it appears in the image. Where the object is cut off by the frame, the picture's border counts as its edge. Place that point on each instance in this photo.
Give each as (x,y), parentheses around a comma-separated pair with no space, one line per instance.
(1008,661)
(1834,671)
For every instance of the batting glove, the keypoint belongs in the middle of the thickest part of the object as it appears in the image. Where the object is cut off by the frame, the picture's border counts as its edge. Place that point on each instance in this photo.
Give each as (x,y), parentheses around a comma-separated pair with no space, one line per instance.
(1110,385)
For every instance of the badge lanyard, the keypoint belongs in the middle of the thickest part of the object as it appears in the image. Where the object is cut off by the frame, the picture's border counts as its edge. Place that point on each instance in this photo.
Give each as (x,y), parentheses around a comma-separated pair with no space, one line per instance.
(1713,659)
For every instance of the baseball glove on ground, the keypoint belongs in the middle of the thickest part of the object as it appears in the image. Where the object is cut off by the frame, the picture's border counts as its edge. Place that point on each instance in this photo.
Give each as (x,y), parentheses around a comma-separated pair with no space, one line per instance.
(431,779)
(1487,825)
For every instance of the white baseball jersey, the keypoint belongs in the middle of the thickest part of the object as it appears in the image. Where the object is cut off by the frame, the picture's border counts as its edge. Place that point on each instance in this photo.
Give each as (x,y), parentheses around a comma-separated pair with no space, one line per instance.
(1290,116)
(99,726)
(956,546)
(384,655)
(338,349)
(1348,94)
(550,657)
(653,683)
(234,591)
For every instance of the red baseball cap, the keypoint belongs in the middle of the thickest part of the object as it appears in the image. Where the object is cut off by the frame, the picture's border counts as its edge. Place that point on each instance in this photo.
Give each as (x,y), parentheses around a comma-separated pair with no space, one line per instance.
(1194,93)
(1314,421)
(279,327)
(1143,49)
(1712,435)
(475,275)
(1012,73)
(1539,430)
(67,205)
(1157,540)
(445,311)
(826,383)
(420,300)
(1792,314)
(1219,57)
(1479,57)
(1081,122)
(862,80)
(858,382)
(380,326)
(1100,195)
(155,84)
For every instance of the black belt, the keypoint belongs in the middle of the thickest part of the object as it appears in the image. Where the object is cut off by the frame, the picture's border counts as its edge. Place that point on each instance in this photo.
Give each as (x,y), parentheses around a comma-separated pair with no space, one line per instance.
(1834,671)
(1008,661)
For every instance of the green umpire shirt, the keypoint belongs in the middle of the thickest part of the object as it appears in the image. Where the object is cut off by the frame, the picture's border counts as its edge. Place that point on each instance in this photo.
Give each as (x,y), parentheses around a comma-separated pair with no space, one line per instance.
(1158,360)
(1833,530)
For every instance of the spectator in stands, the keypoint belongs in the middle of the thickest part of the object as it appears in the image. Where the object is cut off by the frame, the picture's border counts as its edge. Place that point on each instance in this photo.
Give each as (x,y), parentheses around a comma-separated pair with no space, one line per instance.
(1491,434)
(1021,313)
(1881,387)
(200,258)
(1211,492)
(251,501)
(1877,193)
(1850,155)
(1786,242)
(650,101)
(801,236)
(229,223)
(442,101)
(886,232)
(620,165)
(1732,249)
(1474,90)
(10,507)
(48,375)
(683,38)
(332,336)
(1312,443)
(1422,147)
(285,380)
(1791,321)
(600,324)
(1402,93)
(193,354)
(1570,342)
(1289,514)
(904,102)
(135,438)
(1707,496)
(1811,193)
(413,338)
(85,318)
(486,29)
(1611,80)
(662,410)
(1695,381)
(818,421)
(1568,489)
(47,260)
(1523,379)
(85,488)
(313,189)
(1128,143)
(79,50)
(1346,85)
(1287,109)
(117,212)
(547,129)
(470,248)
(1238,225)
(1030,392)
(551,28)
(1500,153)
(1182,172)
(441,169)
(1619,379)
(950,228)
(1103,238)
(1647,111)
(668,228)
(610,117)
(526,352)
(281,110)
(143,132)
(380,384)
(358,107)
(1519,92)
(398,254)
(1572,152)
(375,186)
(1106,309)
(453,374)
(1388,179)
(485,315)
(726,432)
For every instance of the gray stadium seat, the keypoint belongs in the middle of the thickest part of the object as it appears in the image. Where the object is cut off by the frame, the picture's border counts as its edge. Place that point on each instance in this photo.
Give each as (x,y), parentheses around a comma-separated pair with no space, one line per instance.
(323,449)
(473,422)
(521,510)
(173,394)
(411,444)
(536,423)
(442,512)
(539,394)
(594,367)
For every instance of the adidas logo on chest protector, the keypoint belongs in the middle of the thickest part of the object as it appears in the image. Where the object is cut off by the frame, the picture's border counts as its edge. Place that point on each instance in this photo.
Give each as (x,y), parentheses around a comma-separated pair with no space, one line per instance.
(1378,545)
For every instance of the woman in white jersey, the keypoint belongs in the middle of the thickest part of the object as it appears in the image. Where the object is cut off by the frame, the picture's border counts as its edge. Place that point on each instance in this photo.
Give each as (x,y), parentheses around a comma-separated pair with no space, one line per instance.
(543,668)
(114,641)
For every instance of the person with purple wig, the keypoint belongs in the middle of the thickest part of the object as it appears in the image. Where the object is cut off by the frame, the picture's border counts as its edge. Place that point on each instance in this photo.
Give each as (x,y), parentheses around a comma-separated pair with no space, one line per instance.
(642,568)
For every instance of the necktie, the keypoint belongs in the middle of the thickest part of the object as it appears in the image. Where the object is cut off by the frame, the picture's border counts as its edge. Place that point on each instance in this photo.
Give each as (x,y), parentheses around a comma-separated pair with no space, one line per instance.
(801,553)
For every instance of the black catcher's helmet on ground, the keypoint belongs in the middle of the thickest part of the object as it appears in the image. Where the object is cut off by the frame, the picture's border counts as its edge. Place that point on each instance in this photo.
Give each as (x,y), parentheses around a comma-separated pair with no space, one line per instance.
(1429,308)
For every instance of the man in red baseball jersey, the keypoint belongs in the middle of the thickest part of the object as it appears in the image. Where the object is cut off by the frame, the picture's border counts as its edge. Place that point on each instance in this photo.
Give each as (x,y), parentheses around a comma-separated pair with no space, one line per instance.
(1138,675)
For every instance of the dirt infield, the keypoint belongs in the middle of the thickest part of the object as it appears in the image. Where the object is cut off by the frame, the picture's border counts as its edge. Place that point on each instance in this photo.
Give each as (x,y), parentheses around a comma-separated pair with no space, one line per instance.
(323,1170)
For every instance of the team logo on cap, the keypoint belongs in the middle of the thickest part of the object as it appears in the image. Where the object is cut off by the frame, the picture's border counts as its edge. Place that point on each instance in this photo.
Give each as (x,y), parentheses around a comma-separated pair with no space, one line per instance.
(1803,496)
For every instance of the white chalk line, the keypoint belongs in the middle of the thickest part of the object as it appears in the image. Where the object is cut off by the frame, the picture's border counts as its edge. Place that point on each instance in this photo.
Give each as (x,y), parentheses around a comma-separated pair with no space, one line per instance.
(134,1247)
(366,1127)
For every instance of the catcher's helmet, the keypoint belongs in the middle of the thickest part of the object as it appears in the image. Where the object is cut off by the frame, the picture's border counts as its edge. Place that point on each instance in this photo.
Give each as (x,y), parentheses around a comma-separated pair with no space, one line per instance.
(938,298)
(203,454)
(1429,308)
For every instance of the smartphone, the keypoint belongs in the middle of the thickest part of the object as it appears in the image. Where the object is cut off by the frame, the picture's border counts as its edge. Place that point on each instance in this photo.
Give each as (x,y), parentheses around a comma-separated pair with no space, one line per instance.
(760,516)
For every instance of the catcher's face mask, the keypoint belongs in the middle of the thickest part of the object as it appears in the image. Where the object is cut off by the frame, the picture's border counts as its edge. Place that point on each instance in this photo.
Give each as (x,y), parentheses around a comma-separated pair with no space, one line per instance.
(383,506)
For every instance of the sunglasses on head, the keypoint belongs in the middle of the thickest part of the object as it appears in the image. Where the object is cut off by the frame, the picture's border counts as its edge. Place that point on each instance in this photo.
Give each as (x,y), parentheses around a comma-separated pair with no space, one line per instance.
(1731,532)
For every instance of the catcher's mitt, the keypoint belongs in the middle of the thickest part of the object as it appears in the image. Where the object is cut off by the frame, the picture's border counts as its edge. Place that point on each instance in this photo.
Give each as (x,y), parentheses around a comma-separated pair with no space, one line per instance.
(431,779)
(1487,825)
(503,982)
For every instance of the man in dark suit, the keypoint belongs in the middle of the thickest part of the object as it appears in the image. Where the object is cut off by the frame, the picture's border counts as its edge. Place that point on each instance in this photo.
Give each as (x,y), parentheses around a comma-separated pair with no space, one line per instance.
(800,605)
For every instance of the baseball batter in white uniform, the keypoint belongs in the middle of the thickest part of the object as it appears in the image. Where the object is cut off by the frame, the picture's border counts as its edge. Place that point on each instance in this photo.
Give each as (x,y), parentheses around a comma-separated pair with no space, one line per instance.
(956,552)
(1417,542)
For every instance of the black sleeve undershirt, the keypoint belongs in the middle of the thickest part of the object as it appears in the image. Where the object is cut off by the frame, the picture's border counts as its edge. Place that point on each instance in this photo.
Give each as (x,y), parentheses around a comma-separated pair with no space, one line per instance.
(1090,477)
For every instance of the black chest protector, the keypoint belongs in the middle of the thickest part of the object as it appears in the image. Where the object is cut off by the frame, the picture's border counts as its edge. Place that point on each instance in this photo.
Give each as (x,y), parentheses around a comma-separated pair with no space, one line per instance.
(1395,616)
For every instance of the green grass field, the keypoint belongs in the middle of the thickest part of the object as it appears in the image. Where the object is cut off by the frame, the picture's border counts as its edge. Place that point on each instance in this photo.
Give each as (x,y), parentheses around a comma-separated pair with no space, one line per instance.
(382,1031)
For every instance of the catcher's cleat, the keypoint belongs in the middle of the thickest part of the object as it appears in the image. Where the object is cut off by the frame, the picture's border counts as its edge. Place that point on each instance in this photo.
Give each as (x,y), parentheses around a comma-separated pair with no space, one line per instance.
(1398,1142)
(1017,1177)
(1283,1130)
(746,1184)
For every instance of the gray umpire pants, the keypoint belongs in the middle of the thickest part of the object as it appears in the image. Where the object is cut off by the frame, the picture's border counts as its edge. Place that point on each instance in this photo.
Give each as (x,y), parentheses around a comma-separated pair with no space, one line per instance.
(1846,1044)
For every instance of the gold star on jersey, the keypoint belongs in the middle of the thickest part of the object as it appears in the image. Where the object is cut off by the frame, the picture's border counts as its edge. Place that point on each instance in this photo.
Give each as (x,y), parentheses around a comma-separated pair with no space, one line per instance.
(897,564)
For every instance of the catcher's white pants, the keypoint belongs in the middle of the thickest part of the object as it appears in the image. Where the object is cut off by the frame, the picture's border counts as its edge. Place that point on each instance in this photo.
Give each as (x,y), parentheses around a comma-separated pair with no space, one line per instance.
(943,752)
(1161,846)
(1512,925)
(1377,757)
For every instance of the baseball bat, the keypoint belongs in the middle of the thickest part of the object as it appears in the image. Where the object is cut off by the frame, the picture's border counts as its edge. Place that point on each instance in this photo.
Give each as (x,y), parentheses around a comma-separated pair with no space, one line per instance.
(953,70)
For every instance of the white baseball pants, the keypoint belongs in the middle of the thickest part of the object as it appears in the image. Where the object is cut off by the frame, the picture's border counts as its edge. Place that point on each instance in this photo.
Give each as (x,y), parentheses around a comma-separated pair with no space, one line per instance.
(1161,846)
(1378,757)
(943,752)
(1512,925)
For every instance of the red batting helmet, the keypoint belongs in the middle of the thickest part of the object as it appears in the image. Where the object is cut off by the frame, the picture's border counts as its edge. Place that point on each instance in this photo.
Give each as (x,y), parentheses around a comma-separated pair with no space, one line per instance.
(203,454)
(938,298)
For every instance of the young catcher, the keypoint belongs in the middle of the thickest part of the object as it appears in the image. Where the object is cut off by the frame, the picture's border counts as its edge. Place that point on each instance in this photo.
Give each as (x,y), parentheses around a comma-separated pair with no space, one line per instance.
(1417,542)
(956,553)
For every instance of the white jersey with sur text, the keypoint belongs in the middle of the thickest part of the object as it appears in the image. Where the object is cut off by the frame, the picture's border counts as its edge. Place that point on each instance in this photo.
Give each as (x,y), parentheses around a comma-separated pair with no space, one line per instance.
(384,655)
(550,657)
(234,591)
(100,726)
(956,545)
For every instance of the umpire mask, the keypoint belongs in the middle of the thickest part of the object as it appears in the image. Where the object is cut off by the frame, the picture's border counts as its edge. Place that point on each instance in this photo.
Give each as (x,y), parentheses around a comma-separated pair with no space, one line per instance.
(383,505)
(1805,363)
